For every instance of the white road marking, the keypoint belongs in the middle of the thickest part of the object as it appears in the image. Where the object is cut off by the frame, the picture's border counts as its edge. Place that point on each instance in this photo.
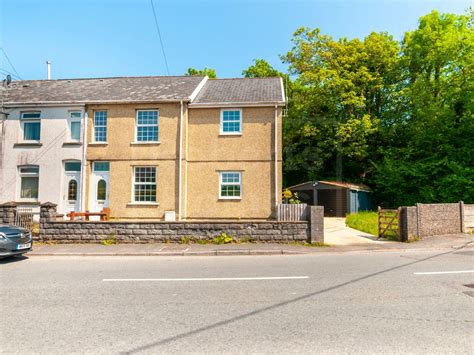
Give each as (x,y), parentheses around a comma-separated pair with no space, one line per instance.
(444,272)
(214,279)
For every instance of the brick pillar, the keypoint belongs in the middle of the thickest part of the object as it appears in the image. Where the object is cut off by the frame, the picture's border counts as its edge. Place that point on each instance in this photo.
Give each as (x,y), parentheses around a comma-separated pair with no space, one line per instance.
(316,219)
(408,224)
(7,212)
(48,212)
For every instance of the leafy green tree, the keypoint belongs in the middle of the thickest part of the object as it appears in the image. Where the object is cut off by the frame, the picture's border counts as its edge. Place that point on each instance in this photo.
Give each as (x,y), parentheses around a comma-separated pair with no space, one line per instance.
(211,73)
(347,86)
(431,158)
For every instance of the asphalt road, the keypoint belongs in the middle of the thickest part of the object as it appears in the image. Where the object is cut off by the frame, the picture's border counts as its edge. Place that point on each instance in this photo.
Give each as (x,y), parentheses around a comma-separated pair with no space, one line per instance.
(349,303)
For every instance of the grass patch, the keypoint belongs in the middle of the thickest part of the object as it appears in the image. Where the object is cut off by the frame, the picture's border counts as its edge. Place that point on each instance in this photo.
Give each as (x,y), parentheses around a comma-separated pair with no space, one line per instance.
(367,221)
(364,221)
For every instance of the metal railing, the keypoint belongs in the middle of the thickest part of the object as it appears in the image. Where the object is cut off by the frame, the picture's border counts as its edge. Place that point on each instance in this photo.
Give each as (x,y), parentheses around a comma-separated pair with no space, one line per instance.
(24,218)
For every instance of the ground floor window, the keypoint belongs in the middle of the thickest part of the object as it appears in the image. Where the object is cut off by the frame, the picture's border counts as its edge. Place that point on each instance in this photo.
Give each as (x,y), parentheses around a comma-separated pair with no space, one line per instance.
(230,185)
(29,181)
(144,184)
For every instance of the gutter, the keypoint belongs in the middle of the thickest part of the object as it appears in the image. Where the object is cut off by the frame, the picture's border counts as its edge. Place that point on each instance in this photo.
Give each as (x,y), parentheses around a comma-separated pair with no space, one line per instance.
(180,173)
(276,155)
(84,161)
(236,104)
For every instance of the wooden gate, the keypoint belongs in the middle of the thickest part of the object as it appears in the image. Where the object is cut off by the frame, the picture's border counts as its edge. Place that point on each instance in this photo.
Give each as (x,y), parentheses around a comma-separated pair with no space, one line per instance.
(24,218)
(388,223)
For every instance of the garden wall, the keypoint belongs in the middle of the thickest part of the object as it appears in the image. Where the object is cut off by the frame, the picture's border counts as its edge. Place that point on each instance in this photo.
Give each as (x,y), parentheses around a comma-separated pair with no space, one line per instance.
(146,232)
(425,220)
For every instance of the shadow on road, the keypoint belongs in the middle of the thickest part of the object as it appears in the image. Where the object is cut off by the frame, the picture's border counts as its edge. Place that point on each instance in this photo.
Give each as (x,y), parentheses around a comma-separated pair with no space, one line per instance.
(278,305)
(13,259)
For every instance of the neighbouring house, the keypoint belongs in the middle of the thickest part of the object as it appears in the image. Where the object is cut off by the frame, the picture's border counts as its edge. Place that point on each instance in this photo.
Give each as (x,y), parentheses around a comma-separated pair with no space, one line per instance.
(338,198)
(41,148)
(184,148)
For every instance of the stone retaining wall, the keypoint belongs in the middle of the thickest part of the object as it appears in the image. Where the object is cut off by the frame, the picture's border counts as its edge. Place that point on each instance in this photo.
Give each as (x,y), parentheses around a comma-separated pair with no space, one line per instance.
(146,232)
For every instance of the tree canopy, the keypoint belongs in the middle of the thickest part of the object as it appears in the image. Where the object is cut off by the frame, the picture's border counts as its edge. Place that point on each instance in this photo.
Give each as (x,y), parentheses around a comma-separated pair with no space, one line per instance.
(397,115)
(211,73)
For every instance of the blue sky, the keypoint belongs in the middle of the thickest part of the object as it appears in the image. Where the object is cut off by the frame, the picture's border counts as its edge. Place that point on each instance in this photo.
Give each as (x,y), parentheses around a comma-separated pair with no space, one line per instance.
(99,38)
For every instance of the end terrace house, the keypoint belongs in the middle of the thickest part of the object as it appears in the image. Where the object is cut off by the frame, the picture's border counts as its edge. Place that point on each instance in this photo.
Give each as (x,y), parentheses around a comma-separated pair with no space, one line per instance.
(184,148)
(41,146)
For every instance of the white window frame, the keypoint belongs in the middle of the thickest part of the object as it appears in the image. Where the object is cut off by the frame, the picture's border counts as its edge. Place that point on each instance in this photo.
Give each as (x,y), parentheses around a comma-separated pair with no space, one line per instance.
(95,126)
(72,120)
(236,133)
(144,183)
(147,125)
(221,183)
(21,175)
(29,120)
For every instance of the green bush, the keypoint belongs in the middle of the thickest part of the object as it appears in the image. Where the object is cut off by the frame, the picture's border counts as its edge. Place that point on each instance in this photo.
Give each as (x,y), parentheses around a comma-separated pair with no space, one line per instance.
(222,238)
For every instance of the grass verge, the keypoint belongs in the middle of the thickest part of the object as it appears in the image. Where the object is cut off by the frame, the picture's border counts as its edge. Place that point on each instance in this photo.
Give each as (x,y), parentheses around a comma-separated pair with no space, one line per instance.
(364,221)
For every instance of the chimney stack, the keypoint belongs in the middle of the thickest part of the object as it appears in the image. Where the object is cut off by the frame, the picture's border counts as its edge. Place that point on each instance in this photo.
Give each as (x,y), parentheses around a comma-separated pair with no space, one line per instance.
(48,64)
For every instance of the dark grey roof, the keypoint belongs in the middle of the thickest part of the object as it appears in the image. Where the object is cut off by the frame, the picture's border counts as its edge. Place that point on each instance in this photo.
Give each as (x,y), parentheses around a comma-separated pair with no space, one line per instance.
(241,90)
(120,89)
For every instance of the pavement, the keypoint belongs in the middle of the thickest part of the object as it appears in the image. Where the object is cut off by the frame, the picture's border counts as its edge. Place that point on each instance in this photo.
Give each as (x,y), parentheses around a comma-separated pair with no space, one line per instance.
(416,302)
(446,242)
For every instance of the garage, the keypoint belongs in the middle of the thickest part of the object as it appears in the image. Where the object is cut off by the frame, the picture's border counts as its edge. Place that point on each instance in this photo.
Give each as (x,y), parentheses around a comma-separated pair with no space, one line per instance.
(338,198)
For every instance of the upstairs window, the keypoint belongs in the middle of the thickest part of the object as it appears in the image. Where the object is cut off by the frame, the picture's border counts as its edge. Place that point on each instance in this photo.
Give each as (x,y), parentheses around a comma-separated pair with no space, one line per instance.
(29,181)
(230,185)
(231,121)
(144,184)
(31,126)
(147,126)
(75,126)
(100,126)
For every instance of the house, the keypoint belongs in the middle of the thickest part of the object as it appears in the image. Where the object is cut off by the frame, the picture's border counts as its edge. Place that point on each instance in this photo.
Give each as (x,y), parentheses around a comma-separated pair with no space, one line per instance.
(41,149)
(338,198)
(184,148)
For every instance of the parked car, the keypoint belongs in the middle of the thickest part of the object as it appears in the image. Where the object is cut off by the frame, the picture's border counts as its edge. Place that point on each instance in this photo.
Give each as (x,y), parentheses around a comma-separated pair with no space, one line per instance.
(14,240)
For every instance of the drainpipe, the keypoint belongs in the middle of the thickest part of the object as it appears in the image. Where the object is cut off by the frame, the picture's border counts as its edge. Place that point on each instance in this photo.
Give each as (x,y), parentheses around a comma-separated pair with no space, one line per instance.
(276,155)
(84,161)
(180,157)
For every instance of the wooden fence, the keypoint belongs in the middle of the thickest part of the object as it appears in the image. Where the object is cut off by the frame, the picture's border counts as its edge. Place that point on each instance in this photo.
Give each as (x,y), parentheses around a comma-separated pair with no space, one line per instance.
(292,212)
(24,218)
(469,217)
(388,222)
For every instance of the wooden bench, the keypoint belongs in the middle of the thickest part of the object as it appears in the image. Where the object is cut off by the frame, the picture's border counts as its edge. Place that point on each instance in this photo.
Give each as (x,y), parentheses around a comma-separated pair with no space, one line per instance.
(104,214)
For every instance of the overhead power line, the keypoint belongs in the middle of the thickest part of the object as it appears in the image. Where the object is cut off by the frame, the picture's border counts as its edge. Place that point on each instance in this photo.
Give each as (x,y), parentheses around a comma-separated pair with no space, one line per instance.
(11,64)
(159,36)
(6,72)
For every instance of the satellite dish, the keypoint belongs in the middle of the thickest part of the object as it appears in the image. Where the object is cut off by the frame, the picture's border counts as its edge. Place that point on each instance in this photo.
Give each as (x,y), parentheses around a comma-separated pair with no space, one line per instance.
(9,79)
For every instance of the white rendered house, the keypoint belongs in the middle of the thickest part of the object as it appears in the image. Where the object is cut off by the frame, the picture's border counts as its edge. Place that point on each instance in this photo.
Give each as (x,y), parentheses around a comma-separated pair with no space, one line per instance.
(42,155)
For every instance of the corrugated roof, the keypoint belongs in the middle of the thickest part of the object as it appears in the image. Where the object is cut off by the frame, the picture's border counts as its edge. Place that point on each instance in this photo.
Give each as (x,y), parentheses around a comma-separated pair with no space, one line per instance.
(241,90)
(96,90)
(347,185)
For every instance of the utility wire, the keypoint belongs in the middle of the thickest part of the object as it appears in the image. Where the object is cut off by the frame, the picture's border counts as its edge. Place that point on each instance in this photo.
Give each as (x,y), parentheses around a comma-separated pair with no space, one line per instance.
(4,71)
(159,36)
(11,64)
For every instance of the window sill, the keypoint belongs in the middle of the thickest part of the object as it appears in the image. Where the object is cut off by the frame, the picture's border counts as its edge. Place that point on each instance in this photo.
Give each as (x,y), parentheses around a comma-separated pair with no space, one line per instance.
(144,143)
(28,201)
(143,204)
(27,144)
(230,198)
(230,134)
(72,143)
(98,144)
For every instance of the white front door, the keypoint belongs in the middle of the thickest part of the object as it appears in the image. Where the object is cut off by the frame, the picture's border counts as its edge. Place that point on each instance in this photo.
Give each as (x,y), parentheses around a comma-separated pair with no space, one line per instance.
(71,187)
(99,186)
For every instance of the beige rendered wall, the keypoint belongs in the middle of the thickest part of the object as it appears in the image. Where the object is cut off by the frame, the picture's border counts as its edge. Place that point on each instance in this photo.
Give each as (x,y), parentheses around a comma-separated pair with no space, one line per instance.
(252,153)
(123,154)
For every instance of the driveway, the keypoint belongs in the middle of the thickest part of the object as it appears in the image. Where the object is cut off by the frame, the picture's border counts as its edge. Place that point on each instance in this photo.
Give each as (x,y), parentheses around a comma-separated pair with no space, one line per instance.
(337,233)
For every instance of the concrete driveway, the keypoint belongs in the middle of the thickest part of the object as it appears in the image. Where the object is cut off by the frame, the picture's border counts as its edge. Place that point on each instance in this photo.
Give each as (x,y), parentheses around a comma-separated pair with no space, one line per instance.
(337,233)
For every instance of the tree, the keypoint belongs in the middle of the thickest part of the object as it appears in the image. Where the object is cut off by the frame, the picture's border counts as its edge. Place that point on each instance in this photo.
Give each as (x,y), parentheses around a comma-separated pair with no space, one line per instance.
(261,69)
(211,73)
(346,87)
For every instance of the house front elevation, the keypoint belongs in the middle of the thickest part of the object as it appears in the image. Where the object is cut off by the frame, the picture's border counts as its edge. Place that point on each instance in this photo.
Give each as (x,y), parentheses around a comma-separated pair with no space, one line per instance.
(166,148)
